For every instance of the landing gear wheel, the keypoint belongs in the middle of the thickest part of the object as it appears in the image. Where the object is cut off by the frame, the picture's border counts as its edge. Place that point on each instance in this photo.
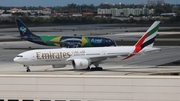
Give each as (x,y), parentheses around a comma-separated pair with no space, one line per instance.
(97,69)
(88,68)
(28,70)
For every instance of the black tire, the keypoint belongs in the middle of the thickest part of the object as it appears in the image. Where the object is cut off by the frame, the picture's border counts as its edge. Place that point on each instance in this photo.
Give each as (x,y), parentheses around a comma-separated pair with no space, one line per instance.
(28,70)
(97,69)
(88,68)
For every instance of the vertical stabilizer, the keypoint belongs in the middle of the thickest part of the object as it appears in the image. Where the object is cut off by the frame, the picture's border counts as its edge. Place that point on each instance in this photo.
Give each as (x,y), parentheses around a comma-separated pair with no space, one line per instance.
(24,31)
(147,40)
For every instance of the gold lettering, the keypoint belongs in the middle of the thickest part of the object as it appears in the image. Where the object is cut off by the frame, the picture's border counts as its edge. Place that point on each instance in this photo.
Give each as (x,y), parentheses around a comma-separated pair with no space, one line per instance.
(68,55)
(37,55)
(57,56)
(60,55)
(51,55)
(45,55)
(64,55)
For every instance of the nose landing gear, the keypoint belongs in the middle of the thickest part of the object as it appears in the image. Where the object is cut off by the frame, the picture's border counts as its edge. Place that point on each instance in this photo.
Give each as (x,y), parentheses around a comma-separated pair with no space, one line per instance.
(27,68)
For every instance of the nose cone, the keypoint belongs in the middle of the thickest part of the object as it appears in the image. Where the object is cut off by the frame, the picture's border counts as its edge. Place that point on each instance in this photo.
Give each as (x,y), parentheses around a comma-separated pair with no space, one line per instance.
(15,59)
(114,43)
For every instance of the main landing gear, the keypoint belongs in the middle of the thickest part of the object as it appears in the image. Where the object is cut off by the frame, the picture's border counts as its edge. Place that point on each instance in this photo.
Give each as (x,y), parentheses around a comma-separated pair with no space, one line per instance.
(27,68)
(96,68)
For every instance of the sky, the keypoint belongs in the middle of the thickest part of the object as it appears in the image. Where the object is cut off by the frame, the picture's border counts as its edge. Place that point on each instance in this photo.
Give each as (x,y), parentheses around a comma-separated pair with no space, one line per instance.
(47,3)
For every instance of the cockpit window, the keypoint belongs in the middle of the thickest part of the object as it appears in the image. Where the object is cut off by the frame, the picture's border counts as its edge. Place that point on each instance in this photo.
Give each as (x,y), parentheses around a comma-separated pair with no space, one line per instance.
(108,41)
(19,56)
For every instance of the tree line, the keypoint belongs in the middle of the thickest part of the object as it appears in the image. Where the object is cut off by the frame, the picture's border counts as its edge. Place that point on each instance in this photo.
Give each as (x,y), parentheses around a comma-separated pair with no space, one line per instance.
(163,8)
(39,21)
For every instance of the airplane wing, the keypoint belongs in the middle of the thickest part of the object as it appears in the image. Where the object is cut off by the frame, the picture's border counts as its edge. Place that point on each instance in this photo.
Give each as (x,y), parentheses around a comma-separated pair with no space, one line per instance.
(101,58)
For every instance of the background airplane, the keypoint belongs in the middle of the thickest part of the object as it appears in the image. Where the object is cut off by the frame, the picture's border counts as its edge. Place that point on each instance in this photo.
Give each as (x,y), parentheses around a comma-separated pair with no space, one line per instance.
(63,41)
(83,58)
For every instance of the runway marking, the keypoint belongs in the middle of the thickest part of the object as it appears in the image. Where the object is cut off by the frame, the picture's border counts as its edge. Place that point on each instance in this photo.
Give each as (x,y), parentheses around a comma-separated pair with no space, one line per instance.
(88,76)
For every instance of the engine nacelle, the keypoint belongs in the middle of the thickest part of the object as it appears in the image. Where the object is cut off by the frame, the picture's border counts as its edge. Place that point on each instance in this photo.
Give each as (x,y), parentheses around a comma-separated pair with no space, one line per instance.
(80,63)
(59,66)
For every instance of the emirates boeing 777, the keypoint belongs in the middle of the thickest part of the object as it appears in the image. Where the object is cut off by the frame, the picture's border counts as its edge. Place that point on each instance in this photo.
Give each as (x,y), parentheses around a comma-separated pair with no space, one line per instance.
(83,58)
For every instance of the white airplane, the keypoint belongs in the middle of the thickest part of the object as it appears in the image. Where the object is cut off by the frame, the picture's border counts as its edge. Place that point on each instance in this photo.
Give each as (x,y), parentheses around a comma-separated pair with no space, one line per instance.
(83,58)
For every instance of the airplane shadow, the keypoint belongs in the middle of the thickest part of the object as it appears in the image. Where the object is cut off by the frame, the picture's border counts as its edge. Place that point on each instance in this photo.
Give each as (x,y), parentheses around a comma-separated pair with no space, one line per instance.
(129,69)
(136,69)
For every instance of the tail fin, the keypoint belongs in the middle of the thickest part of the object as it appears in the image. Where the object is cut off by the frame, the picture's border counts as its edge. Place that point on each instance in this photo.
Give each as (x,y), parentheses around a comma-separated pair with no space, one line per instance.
(24,31)
(147,40)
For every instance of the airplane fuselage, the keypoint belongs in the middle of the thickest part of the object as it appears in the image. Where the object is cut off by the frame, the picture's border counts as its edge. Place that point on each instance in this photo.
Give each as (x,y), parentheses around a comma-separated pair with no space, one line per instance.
(62,41)
(60,56)
(81,41)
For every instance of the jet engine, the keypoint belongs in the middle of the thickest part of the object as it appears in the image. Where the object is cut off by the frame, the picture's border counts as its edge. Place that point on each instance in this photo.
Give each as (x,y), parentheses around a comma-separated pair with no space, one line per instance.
(80,63)
(59,66)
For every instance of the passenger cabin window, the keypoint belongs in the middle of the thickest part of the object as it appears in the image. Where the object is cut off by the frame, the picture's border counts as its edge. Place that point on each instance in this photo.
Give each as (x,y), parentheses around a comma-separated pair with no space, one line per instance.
(108,40)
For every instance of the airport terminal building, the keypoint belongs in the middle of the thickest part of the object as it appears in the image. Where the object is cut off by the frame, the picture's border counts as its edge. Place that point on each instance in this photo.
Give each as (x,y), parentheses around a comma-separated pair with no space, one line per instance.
(125,11)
